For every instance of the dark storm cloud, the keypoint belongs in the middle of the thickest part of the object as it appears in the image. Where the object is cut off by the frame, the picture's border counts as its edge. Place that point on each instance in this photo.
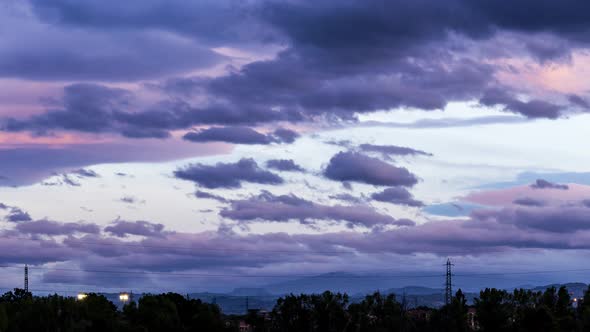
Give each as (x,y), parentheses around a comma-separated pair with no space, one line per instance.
(284,208)
(48,227)
(397,195)
(122,228)
(240,135)
(399,54)
(217,22)
(392,150)
(544,184)
(66,54)
(285,165)
(227,175)
(96,108)
(352,166)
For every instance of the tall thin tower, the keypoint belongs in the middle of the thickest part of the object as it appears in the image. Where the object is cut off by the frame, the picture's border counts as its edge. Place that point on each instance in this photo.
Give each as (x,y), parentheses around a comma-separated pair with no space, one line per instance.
(26,278)
(449,283)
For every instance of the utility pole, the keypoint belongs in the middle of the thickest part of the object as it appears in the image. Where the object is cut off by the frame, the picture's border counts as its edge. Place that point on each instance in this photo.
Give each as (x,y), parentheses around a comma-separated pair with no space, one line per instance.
(449,283)
(247,305)
(26,278)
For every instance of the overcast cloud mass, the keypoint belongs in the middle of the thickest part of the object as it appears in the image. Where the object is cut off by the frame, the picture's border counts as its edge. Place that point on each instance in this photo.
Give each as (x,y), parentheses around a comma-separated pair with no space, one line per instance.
(291,138)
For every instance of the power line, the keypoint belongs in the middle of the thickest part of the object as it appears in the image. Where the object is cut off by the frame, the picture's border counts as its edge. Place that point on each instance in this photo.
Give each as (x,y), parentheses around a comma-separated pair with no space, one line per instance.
(320,276)
(316,276)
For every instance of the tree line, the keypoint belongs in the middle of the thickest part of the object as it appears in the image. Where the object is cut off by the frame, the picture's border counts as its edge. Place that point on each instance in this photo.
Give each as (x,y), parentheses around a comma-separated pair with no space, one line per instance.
(494,310)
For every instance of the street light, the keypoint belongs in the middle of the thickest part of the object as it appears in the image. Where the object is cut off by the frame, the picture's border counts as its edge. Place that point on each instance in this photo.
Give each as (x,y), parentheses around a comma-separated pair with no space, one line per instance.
(124,297)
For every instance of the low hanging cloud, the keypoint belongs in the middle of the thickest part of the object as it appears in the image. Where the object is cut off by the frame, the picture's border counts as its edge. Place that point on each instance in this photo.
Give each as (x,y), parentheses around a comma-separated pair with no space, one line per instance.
(48,227)
(397,195)
(285,165)
(357,167)
(122,228)
(553,219)
(241,135)
(284,208)
(544,184)
(227,175)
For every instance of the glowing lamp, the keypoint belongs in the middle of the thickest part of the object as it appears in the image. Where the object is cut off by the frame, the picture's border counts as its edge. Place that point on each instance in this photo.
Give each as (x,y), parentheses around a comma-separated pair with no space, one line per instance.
(123,297)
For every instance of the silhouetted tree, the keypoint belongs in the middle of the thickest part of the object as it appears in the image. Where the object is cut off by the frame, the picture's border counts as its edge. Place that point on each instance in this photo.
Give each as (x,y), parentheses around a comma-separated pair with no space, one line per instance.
(493,310)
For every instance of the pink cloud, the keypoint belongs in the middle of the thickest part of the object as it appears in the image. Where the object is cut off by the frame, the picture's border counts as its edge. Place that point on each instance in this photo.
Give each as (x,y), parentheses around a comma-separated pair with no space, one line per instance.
(504,197)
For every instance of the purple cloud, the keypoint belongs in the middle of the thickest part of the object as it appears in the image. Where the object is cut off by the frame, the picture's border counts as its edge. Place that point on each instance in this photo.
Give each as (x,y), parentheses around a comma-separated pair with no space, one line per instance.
(18,215)
(122,228)
(531,109)
(548,219)
(347,198)
(286,165)
(544,184)
(397,195)
(284,208)
(528,201)
(48,227)
(85,173)
(227,175)
(204,194)
(392,150)
(239,135)
(352,166)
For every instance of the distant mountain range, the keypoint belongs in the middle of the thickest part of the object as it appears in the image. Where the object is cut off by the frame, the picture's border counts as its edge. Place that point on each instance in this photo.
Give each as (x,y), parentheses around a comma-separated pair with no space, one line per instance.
(357,286)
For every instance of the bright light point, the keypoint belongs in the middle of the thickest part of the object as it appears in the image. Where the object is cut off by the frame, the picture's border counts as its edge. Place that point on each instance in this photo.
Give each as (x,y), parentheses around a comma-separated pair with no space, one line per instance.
(124,297)
(82,296)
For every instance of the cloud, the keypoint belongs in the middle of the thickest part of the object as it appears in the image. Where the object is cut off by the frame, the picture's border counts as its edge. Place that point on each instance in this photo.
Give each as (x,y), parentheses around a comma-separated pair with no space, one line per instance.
(215,23)
(531,109)
(85,173)
(18,215)
(286,165)
(131,200)
(348,198)
(284,208)
(48,227)
(240,135)
(392,150)
(204,194)
(549,219)
(99,54)
(121,228)
(352,166)
(397,195)
(544,184)
(227,175)
(29,164)
(527,201)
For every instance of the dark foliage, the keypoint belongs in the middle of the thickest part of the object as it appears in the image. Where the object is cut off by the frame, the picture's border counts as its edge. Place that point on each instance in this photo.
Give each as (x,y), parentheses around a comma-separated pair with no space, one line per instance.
(494,310)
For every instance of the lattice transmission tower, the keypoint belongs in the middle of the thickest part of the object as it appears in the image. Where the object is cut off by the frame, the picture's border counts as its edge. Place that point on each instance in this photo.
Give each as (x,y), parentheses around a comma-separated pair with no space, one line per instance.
(26,278)
(449,283)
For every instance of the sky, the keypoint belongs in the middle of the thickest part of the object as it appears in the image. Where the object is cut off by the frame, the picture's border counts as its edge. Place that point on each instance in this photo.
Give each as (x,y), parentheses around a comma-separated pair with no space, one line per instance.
(208,145)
